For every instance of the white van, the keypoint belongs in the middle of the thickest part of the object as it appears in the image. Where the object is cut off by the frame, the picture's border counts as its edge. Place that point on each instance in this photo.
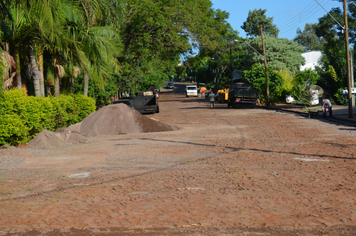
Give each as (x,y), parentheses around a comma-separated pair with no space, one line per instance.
(191,90)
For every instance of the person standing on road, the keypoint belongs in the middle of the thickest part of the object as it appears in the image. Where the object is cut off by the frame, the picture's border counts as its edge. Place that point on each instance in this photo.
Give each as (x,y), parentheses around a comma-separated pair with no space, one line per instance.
(202,92)
(326,104)
(212,99)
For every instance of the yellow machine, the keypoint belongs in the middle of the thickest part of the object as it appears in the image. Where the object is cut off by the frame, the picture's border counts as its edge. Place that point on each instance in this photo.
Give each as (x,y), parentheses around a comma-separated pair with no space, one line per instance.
(223,95)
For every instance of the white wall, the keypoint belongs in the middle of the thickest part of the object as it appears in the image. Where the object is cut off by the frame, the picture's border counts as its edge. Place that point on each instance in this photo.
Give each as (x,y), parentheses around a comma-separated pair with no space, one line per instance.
(311,59)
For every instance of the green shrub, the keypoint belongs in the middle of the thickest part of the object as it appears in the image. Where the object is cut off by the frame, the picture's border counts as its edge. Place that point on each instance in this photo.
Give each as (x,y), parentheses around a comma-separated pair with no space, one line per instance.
(341,98)
(13,101)
(13,130)
(38,115)
(289,82)
(85,106)
(64,111)
(23,117)
(257,77)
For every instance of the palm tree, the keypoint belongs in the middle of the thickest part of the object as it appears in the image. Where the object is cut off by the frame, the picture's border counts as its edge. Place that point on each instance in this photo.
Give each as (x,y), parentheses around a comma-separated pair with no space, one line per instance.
(51,21)
(15,34)
(54,28)
(98,43)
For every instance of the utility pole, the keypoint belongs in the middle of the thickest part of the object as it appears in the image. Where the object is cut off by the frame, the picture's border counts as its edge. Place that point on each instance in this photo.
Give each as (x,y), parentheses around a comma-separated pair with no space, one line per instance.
(349,95)
(352,77)
(264,54)
(232,73)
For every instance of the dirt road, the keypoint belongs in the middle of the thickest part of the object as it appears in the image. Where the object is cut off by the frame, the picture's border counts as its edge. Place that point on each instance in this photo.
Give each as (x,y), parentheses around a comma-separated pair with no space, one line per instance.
(223,172)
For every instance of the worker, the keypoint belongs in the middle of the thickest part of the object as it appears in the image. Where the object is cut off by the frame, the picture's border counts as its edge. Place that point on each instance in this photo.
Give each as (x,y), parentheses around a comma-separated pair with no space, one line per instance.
(212,99)
(202,92)
(326,104)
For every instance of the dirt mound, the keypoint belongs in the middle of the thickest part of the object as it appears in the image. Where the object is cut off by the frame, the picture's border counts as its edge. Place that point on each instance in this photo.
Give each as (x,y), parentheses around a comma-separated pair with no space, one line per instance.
(119,119)
(48,139)
(74,128)
(110,120)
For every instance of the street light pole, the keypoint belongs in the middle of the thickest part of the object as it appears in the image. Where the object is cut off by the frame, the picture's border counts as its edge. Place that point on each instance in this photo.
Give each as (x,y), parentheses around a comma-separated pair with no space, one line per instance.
(349,95)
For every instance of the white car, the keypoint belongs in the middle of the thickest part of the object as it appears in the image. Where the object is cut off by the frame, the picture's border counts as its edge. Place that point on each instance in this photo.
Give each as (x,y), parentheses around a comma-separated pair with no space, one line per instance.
(191,90)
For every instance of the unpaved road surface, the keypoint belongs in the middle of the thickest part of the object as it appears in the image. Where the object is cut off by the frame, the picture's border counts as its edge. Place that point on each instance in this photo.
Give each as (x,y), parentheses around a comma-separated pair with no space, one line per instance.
(223,172)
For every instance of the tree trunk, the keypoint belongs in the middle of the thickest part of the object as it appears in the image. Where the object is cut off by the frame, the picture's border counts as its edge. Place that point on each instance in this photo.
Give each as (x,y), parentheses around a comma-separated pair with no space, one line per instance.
(71,85)
(40,68)
(56,85)
(35,73)
(18,68)
(86,83)
(56,80)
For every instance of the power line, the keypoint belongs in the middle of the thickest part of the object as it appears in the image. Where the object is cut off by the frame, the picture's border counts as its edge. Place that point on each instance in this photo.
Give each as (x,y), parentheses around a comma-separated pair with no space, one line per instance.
(293,27)
(305,17)
(310,13)
(295,18)
(331,15)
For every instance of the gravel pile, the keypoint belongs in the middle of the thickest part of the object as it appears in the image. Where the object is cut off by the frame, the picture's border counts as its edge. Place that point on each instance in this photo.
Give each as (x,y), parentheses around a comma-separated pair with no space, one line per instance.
(120,119)
(115,119)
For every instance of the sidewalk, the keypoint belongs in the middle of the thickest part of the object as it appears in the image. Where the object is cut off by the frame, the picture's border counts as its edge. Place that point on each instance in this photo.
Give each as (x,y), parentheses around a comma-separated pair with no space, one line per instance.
(339,112)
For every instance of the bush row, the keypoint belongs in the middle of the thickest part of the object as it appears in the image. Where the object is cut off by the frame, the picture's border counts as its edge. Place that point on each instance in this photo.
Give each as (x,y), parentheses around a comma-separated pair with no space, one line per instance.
(22,117)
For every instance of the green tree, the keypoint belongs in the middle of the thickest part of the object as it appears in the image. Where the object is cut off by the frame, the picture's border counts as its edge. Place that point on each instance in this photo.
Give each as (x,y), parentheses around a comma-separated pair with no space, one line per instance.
(97,43)
(14,34)
(157,32)
(47,33)
(303,80)
(257,77)
(288,81)
(280,53)
(256,18)
(334,47)
(308,38)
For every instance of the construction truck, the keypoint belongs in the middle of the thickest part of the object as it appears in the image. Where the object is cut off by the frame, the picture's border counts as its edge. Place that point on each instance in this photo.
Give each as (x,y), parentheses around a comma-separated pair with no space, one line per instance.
(242,95)
(223,95)
(144,102)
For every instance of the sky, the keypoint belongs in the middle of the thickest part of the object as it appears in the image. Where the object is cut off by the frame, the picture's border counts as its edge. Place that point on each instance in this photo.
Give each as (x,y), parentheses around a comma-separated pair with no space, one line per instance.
(287,15)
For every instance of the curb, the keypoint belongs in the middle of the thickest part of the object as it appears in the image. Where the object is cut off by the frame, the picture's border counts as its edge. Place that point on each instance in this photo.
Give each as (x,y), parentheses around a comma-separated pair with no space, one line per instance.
(335,117)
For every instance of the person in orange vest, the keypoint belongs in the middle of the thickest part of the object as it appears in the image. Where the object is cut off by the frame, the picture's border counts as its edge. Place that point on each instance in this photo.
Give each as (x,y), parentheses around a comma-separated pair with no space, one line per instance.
(202,92)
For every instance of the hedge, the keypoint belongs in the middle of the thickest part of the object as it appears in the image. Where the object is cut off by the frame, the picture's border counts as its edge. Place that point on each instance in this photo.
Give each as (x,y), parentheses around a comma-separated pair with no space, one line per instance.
(23,117)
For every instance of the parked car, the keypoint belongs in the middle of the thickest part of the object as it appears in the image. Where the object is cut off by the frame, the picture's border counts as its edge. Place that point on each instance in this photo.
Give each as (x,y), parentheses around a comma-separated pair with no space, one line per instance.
(191,90)
(170,85)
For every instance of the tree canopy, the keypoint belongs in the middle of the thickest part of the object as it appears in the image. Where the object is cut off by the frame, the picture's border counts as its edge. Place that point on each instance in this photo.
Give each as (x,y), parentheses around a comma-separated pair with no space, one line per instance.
(308,39)
(256,18)
(280,53)
(75,45)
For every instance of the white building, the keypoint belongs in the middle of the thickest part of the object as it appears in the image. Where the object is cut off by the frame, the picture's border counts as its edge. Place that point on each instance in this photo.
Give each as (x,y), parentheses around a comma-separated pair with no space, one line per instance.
(312,59)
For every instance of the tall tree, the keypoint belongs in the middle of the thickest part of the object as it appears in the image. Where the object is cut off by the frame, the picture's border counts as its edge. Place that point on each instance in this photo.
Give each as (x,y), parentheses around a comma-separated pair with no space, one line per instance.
(157,32)
(334,47)
(308,38)
(48,21)
(97,42)
(256,18)
(281,53)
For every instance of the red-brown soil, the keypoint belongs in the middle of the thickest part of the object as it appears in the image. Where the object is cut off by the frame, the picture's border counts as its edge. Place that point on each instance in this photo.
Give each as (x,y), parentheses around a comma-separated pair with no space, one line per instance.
(222,172)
